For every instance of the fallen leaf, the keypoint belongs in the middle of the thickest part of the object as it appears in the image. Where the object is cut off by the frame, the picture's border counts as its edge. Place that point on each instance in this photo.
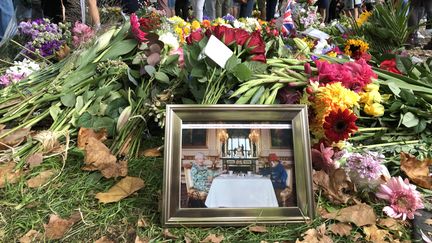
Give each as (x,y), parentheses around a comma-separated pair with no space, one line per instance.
(341,229)
(122,189)
(31,236)
(315,236)
(375,235)
(142,223)
(63,52)
(40,179)
(360,215)
(13,139)
(8,173)
(212,238)
(99,157)
(104,239)
(152,152)
(321,210)
(337,186)
(390,223)
(141,240)
(428,221)
(85,133)
(258,229)
(417,170)
(34,160)
(168,235)
(57,227)
(187,239)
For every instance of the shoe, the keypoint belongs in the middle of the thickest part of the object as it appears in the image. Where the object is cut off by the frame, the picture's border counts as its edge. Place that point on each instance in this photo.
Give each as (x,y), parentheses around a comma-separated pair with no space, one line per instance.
(428,46)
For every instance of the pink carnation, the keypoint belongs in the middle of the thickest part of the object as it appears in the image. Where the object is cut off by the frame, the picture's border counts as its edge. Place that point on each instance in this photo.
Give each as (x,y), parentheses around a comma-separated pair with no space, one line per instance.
(179,51)
(322,158)
(81,34)
(135,25)
(403,198)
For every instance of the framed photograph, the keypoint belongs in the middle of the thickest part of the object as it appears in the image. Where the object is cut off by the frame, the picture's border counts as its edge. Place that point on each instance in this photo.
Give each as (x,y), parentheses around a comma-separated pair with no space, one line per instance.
(237,179)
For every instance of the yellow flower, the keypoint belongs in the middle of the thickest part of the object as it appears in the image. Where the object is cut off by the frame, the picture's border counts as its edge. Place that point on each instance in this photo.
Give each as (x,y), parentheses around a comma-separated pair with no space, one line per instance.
(371,87)
(331,54)
(376,109)
(219,21)
(370,97)
(195,25)
(309,42)
(355,44)
(363,18)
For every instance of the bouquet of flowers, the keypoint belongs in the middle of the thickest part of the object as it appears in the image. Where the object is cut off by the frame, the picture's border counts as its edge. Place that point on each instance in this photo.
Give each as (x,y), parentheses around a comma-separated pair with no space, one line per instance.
(18,71)
(44,38)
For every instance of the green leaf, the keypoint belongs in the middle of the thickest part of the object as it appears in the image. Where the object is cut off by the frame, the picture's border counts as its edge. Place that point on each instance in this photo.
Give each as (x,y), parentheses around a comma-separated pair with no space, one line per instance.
(197,72)
(410,120)
(394,88)
(257,95)
(187,101)
(404,64)
(150,70)
(86,120)
(68,100)
(54,111)
(408,96)
(242,72)
(171,59)
(256,67)
(114,107)
(231,63)
(421,126)
(119,49)
(79,103)
(395,106)
(162,77)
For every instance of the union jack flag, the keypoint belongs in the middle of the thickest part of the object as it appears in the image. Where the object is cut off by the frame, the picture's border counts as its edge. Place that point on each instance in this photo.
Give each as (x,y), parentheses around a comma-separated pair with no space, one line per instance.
(288,22)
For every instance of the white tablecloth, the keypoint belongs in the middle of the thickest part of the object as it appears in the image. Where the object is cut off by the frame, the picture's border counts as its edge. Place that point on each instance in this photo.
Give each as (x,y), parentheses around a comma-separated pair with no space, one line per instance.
(241,192)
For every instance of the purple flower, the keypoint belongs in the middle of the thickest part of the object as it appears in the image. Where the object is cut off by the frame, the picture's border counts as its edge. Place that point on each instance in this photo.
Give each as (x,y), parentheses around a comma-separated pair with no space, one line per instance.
(365,166)
(228,18)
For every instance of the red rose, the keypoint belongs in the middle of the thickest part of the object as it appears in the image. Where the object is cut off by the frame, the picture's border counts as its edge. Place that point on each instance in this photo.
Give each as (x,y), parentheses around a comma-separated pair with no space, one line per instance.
(194,37)
(241,36)
(390,65)
(259,58)
(218,31)
(145,23)
(256,44)
(229,36)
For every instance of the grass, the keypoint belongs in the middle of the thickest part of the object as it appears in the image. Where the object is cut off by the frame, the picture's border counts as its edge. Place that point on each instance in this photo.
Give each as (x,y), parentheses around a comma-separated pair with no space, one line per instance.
(23,209)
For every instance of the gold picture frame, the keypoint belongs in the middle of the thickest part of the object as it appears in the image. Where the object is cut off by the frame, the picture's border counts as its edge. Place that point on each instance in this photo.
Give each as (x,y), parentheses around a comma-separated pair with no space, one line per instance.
(173,214)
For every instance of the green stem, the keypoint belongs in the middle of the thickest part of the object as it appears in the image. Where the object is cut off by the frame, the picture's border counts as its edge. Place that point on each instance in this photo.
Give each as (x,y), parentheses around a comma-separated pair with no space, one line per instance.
(412,142)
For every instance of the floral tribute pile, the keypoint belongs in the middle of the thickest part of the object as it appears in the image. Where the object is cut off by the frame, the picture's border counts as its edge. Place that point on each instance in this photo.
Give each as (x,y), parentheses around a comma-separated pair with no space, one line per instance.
(370,116)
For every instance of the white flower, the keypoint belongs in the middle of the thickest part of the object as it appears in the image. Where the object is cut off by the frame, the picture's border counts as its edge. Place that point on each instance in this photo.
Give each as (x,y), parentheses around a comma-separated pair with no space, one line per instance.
(170,40)
(238,24)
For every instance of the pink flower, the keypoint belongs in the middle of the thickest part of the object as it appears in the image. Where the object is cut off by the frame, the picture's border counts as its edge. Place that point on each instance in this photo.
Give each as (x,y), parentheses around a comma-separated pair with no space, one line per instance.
(322,158)
(179,51)
(135,25)
(81,34)
(403,198)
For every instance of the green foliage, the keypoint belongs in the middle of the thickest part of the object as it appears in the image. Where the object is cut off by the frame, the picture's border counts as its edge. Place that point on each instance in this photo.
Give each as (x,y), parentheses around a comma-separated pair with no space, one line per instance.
(387,28)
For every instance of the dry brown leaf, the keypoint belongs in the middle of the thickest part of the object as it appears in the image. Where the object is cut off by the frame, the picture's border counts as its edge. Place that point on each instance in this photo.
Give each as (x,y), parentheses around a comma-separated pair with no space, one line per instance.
(168,235)
(375,235)
(142,223)
(99,157)
(122,189)
(212,238)
(152,152)
(31,236)
(417,170)
(141,240)
(8,173)
(57,227)
(14,138)
(35,160)
(317,235)
(341,229)
(85,133)
(321,210)
(360,215)
(104,239)
(428,221)
(258,229)
(337,186)
(40,179)
(390,223)
(187,239)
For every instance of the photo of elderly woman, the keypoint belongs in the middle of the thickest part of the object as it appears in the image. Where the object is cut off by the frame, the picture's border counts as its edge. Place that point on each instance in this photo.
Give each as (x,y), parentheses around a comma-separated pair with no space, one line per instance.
(237,166)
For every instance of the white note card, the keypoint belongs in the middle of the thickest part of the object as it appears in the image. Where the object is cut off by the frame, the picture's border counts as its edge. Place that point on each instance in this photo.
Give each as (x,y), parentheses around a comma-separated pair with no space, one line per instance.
(217,51)
(315,33)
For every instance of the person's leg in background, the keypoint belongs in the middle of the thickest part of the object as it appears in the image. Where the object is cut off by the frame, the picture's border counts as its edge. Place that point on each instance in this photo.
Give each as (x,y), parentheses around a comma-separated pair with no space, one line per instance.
(323,9)
(23,10)
(270,9)
(262,8)
(6,14)
(94,14)
(129,6)
(181,9)
(235,9)
(428,10)
(226,6)
(198,6)
(218,7)
(171,6)
(246,9)
(416,13)
(36,9)
(53,10)
(210,9)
